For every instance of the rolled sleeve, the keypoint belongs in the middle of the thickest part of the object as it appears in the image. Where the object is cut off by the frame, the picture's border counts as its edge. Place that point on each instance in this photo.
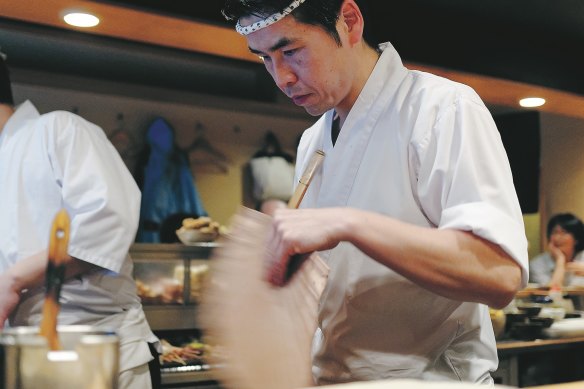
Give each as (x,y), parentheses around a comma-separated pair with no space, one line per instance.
(491,224)
(98,191)
(465,181)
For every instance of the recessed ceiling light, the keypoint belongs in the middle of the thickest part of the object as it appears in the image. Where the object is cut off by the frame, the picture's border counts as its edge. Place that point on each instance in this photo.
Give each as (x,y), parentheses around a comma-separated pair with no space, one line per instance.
(530,102)
(81,19)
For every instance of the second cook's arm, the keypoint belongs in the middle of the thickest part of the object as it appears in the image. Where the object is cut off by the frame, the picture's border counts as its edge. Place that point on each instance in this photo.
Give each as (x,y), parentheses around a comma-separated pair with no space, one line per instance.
(30,273)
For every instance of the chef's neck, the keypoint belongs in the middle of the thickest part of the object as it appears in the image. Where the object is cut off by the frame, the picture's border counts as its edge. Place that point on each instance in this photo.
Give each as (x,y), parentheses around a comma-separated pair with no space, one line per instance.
(5,112)
(364,58)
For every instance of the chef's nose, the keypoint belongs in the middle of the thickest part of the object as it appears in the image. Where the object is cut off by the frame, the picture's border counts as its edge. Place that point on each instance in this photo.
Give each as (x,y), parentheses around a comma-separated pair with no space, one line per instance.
(284,76)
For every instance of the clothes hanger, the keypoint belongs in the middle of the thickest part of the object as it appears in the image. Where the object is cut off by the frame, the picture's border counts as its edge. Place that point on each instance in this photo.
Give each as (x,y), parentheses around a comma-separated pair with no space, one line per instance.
(203,155)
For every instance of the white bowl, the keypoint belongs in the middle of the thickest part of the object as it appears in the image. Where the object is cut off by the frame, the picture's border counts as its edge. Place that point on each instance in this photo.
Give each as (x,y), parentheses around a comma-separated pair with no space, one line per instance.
(555,313)
(566,328)
(192,236)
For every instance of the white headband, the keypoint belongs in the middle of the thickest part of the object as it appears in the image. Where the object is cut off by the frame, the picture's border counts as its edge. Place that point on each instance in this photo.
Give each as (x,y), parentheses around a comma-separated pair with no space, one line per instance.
(269,20)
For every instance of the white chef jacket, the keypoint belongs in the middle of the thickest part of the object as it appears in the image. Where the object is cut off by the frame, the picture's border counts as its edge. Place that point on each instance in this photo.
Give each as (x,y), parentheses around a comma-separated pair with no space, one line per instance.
(424,150)
(61,160)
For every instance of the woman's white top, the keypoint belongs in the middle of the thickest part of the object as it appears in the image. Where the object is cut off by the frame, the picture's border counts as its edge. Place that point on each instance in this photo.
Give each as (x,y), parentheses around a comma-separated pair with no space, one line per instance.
(542,267)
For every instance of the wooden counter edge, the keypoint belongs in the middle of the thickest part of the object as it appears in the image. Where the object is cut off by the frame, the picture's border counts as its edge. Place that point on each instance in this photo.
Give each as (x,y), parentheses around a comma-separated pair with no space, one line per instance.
(508,345)
(573,291)
(568,385)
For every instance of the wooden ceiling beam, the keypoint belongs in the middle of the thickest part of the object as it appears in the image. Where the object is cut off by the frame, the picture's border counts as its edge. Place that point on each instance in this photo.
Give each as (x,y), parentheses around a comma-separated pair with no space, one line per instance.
(506,93)
(135,25)
(140,26)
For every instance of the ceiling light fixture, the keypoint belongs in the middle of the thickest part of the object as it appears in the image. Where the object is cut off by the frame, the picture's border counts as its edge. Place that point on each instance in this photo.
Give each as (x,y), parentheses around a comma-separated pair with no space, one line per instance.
(530,102)
(81,19)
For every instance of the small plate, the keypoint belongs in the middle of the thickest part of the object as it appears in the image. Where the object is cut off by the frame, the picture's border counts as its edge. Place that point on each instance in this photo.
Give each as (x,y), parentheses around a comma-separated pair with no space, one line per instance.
(191,236)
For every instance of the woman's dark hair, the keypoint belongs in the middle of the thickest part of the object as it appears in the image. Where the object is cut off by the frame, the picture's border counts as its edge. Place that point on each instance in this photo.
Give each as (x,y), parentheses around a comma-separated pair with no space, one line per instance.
(571,224)
(323,13)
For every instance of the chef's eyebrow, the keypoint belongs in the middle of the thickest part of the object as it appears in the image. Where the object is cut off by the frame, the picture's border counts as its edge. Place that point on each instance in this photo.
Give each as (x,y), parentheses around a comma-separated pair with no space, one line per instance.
(281,43)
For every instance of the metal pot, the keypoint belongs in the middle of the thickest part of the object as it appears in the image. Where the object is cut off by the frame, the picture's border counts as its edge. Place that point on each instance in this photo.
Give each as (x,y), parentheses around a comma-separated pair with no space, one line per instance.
(89,359)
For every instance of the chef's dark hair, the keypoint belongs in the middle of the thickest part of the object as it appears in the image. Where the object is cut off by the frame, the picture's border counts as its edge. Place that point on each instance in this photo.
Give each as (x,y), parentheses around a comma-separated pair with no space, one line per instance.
(5,87)
(571,224)
(324,13)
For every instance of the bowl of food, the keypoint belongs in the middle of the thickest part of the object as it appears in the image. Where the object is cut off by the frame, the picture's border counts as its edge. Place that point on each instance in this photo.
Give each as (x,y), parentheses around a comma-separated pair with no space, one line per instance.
(527,331)
(202,229)
(512,318)
(530,309)
(545,321)
(556,313)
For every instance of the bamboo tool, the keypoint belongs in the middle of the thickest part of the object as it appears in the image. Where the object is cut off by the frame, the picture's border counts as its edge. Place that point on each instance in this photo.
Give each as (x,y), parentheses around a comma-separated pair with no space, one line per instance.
(306,178)
(260,335)
(58,257)
(294,202)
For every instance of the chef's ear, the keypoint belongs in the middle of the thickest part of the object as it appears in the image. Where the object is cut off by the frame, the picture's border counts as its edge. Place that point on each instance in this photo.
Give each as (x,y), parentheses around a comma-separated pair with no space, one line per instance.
(353,20)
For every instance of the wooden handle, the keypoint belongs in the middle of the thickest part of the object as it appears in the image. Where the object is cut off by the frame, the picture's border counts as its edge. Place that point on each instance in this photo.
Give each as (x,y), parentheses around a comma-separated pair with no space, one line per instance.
(303,183)
(58,257)
(306,178)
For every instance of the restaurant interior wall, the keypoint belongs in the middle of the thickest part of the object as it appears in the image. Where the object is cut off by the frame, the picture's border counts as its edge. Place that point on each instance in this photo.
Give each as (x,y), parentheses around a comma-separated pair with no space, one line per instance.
(562,165)
(520,133)
(561,176)
(237,127)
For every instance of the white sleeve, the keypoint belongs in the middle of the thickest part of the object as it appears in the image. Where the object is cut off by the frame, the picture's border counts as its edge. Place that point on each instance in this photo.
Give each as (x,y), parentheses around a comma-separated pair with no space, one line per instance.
(465,181)
(98,191)
(540,271)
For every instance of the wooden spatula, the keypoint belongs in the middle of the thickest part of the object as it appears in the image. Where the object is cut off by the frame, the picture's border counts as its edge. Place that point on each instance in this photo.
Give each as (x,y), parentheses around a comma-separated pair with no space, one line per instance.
(55,275)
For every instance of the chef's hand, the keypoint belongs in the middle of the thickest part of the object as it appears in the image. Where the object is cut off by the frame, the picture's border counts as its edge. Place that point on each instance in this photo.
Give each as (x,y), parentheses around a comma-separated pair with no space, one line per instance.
(9,297)
(26,273)
(301,231)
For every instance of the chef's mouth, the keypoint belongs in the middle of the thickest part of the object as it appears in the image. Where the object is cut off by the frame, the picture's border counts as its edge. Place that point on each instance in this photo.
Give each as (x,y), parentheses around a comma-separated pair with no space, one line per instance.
(300,99)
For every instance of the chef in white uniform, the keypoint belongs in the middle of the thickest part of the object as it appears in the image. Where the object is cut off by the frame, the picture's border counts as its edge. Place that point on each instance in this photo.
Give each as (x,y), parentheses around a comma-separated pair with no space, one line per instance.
(60,160)
(414,209)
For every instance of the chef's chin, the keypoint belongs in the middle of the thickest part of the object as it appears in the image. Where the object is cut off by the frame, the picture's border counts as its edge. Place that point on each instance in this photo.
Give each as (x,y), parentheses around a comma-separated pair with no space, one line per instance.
(316,111)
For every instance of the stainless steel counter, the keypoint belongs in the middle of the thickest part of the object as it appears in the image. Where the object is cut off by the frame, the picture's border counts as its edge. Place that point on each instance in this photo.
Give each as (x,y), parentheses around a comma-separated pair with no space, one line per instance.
(188,377)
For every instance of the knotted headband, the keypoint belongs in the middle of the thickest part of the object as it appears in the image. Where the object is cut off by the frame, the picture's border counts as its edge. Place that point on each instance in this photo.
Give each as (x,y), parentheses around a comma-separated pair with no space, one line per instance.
(268,20)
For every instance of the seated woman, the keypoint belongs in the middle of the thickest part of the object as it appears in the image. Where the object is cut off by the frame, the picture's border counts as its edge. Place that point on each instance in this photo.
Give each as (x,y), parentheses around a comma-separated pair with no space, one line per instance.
(563,263)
